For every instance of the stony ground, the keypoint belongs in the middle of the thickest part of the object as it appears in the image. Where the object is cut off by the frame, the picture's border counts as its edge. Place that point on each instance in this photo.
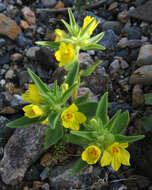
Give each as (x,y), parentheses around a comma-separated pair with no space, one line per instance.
(126,72)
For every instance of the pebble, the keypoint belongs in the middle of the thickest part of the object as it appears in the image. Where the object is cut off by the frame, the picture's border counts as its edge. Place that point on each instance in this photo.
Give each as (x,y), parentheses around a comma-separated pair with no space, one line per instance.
(113,6)
(123,17)
(142,75)
(5,59)
(2,7)
(29,15)
(2,82)
(16,57)
(24,24)
(109,40)
(113,25)
(131,32)
(31,52)
(23,42)
(49,3)
(137,96)
(9,27)
(9,74)
(145,55)
(114,66)
(2,42)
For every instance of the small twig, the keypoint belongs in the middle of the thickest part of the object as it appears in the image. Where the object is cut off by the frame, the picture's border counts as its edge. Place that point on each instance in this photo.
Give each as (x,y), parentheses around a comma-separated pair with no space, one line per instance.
(62,10)
(125,179)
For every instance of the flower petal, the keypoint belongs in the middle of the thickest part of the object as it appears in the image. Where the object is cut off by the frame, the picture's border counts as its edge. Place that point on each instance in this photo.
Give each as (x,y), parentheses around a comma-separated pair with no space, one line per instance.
(73,108)
(80,117)
(115,163)
(106,159)
(125,157)
(123,145)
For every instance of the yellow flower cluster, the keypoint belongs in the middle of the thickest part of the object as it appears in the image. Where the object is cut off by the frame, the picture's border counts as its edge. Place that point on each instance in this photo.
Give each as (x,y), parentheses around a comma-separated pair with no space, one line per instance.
(71,118)
(32,96)
(114,155)
(93,26)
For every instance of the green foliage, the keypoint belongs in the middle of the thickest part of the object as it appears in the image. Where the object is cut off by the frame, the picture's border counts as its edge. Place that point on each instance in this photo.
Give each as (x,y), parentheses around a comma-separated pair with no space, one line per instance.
(128,139)
(148,99)
(147,123)
(79,166)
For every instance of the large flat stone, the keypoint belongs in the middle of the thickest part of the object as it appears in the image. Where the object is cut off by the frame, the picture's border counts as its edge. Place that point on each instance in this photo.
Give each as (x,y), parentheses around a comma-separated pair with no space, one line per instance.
(22,149)
(143,12)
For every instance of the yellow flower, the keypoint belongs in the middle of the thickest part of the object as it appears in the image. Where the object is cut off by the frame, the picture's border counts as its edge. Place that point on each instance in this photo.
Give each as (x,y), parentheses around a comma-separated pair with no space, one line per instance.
(65,87)
(32,95)
(116,155)
(32,111)
(59,34)
(65,54)
(71,118)
(86,21)
(91,154)
(45,122)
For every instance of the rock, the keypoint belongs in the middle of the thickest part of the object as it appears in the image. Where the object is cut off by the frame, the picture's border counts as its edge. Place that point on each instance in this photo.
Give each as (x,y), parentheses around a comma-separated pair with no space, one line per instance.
(20,152)
(109,39)
(123,16)
(24,24)
(68,3)
(2,82)
(114,66)
(31,52)
(142,75)
(131,32)
(46,186)
(137,96)
(16,57)
(113,6)
(28,15)
(59,5)
(8,27)
(5,132)
(145,55)
(113,25)
(46,55)
(5,59)
(85,59)
(2,7)
(23,78)
(123,43)
(49,3)
(2,42)
(143,12)
(23,42)
(9,74)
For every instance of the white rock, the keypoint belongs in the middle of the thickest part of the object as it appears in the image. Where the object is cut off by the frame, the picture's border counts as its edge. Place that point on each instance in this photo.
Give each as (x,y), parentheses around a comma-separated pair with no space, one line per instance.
(9,74)
(114,66)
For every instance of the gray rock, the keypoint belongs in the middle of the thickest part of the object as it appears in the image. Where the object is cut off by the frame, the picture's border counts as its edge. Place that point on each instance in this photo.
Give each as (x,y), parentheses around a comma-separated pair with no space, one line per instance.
(124,42)
(132,32)
(109,39)
(9,74)
(23,77)
(142,75)
(114,66)
(49,3)
(31,52)
(143,12)
(22,149)
(145,55)
(113,25)
(5,59)
(137,96)
(2,7)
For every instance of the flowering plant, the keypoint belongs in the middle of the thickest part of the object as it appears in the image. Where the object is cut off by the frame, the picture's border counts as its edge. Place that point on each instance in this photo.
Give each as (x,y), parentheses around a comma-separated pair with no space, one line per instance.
(73,118)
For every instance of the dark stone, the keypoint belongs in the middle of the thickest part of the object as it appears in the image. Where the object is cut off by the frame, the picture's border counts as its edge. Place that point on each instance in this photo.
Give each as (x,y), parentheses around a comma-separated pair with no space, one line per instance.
(2,42)
(23,42)
(132,32)
(143,12)
(68,3)
(2,7)
(5,59)
(109,40)
(45,58)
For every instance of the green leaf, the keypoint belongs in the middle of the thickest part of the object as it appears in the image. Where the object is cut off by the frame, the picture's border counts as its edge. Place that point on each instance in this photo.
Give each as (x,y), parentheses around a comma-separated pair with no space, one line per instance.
(72,19)
(68,93)
(54,45)
(25,122)
(148,99)
(90,69)
(102,109)
(147,123)
(79,166)
(94,47)
(89,135)
(129,139)
(96,38)
(52,136)
(52,119)
(43,88)
(88,109)
(82,99)
(75,140)
(67,26)
(120,123)
(72,74)
(110,123)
